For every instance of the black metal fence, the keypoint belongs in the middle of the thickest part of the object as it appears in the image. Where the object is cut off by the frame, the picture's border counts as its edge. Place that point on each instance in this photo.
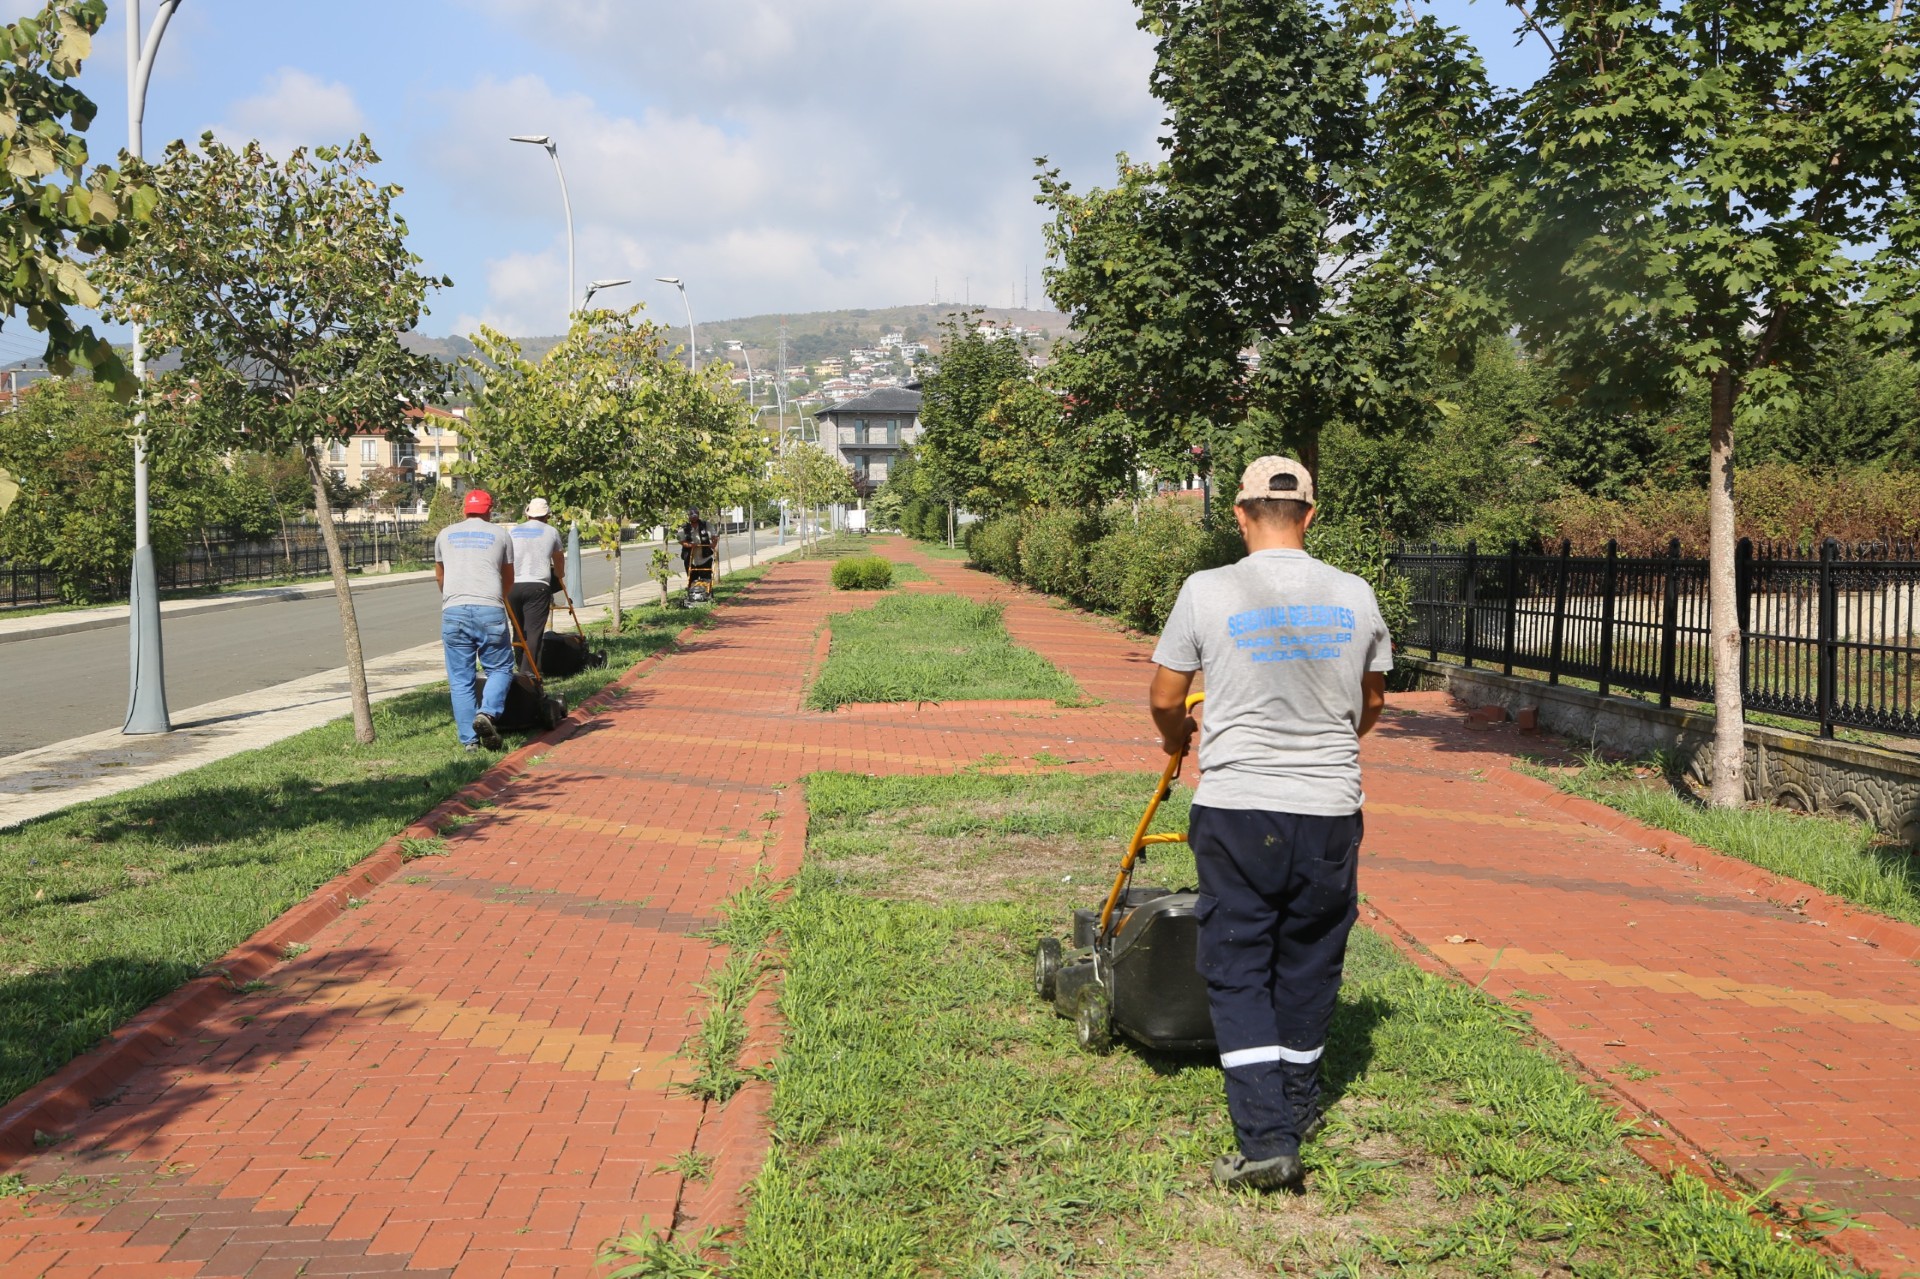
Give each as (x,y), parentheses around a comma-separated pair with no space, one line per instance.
(1831,636)
(222,560)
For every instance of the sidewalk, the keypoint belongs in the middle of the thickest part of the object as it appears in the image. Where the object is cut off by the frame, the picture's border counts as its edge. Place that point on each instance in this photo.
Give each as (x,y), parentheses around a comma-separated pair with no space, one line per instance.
(472,1073)
(44,780)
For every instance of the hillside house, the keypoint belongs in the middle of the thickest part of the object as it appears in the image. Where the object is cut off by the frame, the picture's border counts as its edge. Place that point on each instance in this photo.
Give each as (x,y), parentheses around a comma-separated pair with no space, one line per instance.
(867,432)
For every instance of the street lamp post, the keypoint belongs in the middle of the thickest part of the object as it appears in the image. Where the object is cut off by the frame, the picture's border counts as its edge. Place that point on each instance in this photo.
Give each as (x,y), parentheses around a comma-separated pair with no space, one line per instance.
(553,150)
(692,344)
(596,286)
(146,665)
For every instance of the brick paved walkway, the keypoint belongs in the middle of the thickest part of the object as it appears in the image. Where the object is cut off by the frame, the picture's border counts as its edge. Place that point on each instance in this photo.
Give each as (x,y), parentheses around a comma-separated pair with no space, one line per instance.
(471,1074)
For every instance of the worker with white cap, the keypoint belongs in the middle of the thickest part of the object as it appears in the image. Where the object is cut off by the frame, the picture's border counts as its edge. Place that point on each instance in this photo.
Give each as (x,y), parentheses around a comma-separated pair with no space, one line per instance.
(539,569)
(1295,656)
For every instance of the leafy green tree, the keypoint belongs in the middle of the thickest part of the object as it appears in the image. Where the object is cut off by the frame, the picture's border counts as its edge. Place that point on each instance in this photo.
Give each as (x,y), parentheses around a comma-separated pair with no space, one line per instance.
(65,444)
(1034,453)
(609,426)
(1237,295)
(260,491)
(1695,191)
(285,287)
(957,402)
(808,477)
(51,208)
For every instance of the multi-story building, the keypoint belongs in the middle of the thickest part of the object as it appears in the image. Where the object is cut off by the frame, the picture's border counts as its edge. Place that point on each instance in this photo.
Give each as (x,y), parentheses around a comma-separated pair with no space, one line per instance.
(425,460)
(867,432)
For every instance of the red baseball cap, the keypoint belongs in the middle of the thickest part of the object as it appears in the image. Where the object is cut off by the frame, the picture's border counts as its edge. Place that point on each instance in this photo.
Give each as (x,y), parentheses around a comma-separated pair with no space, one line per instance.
(479,502)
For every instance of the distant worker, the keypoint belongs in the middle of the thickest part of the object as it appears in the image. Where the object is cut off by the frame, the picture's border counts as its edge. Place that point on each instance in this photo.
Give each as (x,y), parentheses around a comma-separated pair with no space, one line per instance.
(539,569)
(695,532)
(1295,656)
(473,563)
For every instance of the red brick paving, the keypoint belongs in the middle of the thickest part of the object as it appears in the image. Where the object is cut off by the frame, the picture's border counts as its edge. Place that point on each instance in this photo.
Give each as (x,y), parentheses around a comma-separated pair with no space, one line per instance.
(472,1073)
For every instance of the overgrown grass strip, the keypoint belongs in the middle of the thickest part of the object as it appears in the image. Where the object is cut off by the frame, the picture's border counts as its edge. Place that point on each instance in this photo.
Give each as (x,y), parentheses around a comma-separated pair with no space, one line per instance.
(932,1118)
(1837,856)
(932,648)
(107,906)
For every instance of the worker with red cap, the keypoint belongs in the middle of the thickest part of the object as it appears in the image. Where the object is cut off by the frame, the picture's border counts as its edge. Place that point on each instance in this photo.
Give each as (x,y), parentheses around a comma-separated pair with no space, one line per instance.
(473,563)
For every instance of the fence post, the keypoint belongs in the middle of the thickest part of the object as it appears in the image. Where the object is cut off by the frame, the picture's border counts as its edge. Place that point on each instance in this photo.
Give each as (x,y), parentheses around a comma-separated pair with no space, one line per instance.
(1513,607)
(1743,604)
(1436,622)
(1557,645)
(1609,578)
(1829,619)
(1470,595)
(1670,623)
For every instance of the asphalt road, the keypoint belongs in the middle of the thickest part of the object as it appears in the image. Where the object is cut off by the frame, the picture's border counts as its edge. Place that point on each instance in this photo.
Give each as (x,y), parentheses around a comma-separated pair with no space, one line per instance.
(66,685)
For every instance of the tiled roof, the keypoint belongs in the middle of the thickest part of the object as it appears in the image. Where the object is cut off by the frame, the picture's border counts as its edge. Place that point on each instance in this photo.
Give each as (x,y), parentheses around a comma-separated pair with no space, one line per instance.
(886,399)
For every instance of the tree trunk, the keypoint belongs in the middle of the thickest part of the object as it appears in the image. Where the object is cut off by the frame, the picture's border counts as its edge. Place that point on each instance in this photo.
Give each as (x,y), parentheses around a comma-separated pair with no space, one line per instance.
(1729,712)
(1310,453)
(616,581)
(349,625)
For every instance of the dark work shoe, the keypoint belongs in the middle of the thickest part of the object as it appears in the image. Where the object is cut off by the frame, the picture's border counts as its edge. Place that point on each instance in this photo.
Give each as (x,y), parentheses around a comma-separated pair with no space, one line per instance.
(489,735)
(1313,1128)
(1282,1172)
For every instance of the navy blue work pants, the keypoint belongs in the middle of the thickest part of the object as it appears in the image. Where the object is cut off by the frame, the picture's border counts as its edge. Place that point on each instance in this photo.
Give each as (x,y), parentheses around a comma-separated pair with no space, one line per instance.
(1278,895)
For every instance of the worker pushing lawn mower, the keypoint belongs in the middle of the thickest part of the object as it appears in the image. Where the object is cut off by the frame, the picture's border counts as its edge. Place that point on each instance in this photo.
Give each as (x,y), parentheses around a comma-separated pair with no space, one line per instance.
(1294,654)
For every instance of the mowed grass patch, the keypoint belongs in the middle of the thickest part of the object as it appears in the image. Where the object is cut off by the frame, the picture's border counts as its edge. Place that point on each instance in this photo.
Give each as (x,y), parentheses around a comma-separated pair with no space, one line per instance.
(106,906)
(1842,857)
(932,648)
(932,1118)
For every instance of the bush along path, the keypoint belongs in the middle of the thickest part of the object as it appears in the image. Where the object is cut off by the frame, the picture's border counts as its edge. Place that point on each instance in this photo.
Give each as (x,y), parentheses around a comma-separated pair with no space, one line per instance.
(515,1050)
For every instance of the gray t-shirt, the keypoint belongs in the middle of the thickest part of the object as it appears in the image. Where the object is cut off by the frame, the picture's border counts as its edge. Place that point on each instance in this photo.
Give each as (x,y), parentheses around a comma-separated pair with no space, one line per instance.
(1284,641)
(473,551)
(534,545)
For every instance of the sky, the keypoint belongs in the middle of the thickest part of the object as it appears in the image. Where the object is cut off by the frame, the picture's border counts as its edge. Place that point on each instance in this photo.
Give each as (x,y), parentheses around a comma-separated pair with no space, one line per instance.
(778,155)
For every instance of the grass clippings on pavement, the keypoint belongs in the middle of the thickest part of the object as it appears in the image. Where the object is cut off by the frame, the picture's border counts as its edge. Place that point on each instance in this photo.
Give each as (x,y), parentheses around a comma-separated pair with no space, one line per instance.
(932,648)
(931,1117)
(1833,854)
(109,905)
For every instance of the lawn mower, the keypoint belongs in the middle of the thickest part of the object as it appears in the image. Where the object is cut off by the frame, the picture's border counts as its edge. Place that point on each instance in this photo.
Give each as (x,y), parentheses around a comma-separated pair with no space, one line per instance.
(699,573)
(1131,964)
(530,708)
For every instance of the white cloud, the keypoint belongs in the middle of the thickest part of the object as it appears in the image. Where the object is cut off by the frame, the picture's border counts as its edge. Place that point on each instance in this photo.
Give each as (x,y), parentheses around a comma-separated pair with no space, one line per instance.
(793,155)
(293,109)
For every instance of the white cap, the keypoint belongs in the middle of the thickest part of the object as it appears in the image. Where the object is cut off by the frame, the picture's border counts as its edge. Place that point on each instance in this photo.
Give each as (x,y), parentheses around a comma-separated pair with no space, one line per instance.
(537,508)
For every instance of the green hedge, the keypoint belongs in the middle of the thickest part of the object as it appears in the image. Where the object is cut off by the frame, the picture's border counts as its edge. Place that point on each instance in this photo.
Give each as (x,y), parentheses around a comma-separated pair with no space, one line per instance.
(862,573)
(1130,564)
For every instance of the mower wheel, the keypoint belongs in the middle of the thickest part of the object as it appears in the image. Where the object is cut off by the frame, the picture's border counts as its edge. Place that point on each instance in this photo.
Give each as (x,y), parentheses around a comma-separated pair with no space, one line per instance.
(1093,1020)
(1046,966)
(553,709)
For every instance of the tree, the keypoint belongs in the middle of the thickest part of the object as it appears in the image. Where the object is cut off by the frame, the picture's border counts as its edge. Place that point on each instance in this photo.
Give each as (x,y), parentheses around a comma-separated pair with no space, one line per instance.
(1035,453)
(1694,192)
(807,476)
(957,400)
(65,444)
(51,208)
(609,426)
(1235,295)
(285,287)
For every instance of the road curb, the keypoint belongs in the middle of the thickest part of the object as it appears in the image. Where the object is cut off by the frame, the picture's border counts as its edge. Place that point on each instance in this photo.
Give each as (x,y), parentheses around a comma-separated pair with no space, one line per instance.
(74,1089)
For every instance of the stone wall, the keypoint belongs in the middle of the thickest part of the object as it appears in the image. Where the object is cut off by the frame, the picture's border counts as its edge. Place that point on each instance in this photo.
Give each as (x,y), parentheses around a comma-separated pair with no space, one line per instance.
(1794,770)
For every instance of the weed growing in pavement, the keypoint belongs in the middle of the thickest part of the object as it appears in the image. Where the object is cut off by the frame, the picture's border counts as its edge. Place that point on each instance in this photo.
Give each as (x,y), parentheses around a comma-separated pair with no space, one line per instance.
(414,849)
(932,1117)
(12,1185)
(642,1254)
(694,1165)
(1834,855)
(84,945)
(932,648)
(746,922)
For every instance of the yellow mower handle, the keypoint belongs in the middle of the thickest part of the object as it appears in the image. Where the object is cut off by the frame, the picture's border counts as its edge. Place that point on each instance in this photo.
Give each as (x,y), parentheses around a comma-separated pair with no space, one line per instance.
(1140,838)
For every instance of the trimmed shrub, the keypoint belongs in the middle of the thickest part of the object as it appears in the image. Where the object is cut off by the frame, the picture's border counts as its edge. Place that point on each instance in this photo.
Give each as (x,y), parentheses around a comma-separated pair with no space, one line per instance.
(994,545)
(1054,549)
(862,573)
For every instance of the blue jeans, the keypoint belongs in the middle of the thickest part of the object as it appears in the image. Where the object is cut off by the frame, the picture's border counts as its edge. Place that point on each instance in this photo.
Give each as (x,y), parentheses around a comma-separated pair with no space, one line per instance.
(470,633)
